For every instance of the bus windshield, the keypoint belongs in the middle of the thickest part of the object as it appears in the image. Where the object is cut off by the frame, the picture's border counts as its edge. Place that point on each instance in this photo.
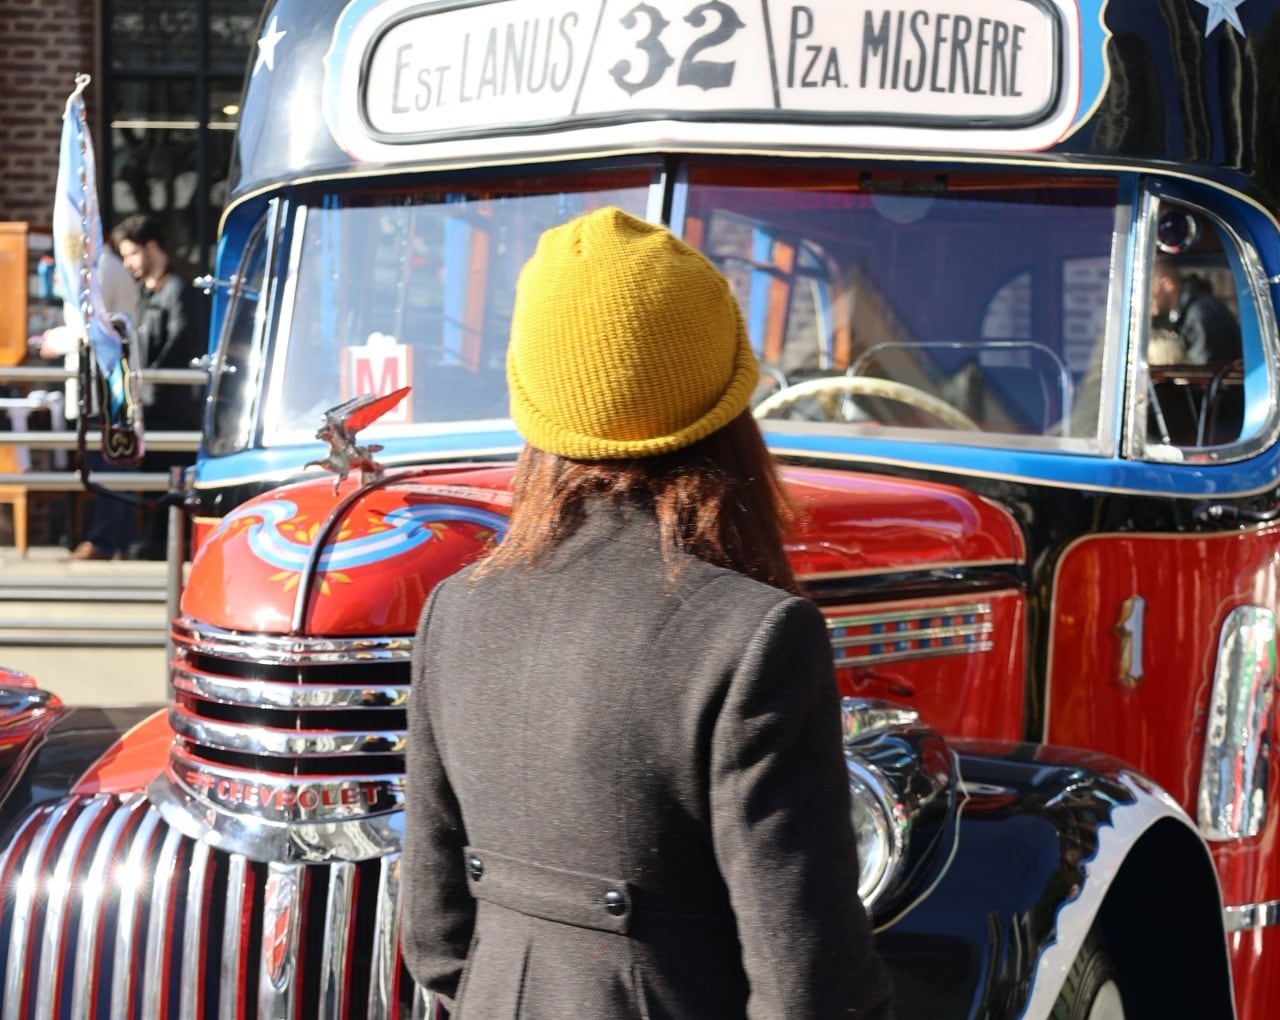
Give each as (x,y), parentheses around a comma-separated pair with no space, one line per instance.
(973,305)
(393,288)
(958,301)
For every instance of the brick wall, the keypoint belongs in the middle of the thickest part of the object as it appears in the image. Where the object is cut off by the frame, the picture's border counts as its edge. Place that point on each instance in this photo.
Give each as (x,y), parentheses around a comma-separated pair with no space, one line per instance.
(43,45)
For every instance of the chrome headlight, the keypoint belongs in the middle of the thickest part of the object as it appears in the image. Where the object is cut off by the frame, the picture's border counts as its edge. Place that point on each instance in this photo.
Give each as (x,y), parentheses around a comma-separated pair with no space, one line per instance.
(900,777)
(878,829)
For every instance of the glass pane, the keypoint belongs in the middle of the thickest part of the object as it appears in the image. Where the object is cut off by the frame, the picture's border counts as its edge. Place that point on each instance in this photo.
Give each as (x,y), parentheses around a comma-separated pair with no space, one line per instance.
(236,380)
(395,288)
(154,160)
(1193,346)
(961,302)
(153,33)
(233,30)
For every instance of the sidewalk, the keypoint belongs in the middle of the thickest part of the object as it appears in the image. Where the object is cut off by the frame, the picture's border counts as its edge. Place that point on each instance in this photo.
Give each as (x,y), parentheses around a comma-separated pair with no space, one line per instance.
(54,561)
(51,605)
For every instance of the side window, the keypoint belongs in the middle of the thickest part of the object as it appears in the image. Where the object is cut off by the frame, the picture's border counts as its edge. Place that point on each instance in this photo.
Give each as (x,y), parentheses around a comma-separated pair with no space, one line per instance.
(1193,348)
(236,379)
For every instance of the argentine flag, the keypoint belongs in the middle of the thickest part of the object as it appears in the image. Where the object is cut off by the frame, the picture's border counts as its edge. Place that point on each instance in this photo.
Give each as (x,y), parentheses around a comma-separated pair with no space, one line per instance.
(77,242)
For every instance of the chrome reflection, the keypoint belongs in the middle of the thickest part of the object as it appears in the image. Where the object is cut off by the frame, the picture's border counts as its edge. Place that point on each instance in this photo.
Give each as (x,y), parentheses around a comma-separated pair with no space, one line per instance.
(284,695)
(141,857)
(82,833)
(162,938)
(108,911)
(913,632)
(1131,631)
(1250,916)
(194,638)
(27,899)
(191,1004)
(269,759)
(239,912)
(384,960)
(268,817)
(95,899)
(280,742)
(281,939)
(277,798)
(21,704)
(1234,773)
(880,830)
(863,717)
(339,913)
(903,784)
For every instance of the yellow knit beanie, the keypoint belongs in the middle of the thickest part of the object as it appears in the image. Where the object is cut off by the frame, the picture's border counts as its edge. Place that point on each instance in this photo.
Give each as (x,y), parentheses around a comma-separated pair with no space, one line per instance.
(625,342)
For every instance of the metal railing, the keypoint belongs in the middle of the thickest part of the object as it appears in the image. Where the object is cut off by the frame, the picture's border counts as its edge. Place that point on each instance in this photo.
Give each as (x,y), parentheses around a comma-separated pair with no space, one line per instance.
(69,480)
(30,632)
(85,610)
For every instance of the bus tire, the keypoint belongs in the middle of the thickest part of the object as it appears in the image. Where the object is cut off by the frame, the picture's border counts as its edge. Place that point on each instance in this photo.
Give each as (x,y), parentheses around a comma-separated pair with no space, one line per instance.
(1089,991)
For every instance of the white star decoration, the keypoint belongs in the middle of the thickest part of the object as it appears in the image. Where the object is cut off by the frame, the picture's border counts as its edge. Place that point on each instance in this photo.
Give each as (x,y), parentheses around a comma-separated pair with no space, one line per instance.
(1219,11)
(271,39)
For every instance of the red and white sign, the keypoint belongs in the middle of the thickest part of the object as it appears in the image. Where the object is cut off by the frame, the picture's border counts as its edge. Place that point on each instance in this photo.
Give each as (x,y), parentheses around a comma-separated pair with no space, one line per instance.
(379,367)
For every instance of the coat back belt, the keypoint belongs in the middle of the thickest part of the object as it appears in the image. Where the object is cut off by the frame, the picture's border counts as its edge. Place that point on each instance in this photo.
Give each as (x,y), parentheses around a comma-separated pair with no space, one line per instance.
(568,897)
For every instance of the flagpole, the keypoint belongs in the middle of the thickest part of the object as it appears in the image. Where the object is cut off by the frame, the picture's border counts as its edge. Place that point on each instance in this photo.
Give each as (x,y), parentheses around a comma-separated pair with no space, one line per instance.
(73,109)
(109,338)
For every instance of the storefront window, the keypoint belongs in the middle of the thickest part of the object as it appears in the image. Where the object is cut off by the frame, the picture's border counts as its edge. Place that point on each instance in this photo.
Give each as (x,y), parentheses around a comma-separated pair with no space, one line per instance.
(172,103)
(231,22)
(152,33)
(154,157)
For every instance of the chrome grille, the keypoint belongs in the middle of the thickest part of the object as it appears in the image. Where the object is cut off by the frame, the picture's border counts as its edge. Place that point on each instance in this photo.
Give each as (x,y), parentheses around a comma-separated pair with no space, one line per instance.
(287,748)
(862,638)
(110,913)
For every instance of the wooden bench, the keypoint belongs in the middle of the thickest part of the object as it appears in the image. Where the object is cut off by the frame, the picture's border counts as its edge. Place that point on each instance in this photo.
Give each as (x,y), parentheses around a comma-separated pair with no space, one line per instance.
(16,460)
(15,495)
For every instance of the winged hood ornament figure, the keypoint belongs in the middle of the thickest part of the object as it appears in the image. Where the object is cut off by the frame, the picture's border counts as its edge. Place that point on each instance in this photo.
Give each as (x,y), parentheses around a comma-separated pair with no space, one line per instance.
(339,430)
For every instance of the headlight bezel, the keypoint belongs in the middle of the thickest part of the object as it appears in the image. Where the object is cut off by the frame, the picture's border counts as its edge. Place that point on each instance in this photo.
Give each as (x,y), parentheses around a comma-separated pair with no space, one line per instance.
(903,783)
(880,861)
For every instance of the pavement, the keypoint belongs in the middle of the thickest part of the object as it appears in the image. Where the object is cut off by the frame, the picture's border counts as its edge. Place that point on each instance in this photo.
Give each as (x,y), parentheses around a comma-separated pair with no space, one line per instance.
(91,632)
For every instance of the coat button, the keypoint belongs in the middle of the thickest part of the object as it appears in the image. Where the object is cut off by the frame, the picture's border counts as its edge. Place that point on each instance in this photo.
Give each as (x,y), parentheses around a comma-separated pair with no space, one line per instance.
(615,903)
(476,867)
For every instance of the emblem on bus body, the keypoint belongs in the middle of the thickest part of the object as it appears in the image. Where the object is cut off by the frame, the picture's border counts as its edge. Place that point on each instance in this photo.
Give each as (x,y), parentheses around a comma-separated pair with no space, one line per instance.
(1132,613)
(280,924)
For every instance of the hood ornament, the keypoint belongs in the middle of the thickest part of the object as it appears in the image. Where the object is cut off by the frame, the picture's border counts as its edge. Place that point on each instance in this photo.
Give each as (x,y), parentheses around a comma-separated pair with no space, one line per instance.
(339,430)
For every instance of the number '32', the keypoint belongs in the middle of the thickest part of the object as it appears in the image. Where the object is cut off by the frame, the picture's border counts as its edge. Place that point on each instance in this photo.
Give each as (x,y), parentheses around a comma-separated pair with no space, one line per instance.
(723,22)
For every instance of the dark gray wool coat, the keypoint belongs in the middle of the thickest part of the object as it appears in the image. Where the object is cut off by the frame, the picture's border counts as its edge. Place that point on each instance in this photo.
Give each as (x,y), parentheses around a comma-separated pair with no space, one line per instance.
(626,796)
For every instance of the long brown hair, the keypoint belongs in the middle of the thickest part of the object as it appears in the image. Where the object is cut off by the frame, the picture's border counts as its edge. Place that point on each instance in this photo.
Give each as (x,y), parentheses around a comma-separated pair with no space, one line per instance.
(719,499)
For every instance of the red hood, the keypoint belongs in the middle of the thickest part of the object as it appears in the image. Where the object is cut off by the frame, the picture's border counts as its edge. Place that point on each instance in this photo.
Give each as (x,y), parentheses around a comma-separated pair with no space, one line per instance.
(383,552)
(857,523)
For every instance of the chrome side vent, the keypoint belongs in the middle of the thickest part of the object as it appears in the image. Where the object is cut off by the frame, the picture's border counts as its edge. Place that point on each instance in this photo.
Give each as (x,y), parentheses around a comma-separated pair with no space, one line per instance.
(109,912)
(864,638)
(287,749)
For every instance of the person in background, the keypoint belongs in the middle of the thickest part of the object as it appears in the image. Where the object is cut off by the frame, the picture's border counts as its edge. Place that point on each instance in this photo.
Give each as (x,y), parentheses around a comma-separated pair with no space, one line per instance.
(1201,320)
(172,333)
(663,828)
(110,527)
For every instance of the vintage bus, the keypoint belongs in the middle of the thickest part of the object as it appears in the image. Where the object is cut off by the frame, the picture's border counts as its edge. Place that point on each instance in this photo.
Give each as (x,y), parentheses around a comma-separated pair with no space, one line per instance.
(1010,268)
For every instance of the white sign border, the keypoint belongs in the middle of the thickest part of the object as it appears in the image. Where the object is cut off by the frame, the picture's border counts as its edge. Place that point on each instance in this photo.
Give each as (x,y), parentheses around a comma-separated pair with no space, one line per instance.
(351,46)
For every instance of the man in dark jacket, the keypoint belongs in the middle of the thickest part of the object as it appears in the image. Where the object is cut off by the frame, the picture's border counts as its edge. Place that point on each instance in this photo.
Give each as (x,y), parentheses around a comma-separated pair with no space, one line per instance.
(172,331)
(1188,306)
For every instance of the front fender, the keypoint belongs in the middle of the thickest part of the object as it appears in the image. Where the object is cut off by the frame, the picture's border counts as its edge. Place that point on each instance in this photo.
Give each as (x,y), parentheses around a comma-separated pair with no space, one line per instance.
(47,747)
(1052,845)
(26,714)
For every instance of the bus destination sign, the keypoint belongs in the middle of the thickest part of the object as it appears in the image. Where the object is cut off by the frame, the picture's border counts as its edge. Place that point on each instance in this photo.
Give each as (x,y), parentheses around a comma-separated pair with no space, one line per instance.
(424,72)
